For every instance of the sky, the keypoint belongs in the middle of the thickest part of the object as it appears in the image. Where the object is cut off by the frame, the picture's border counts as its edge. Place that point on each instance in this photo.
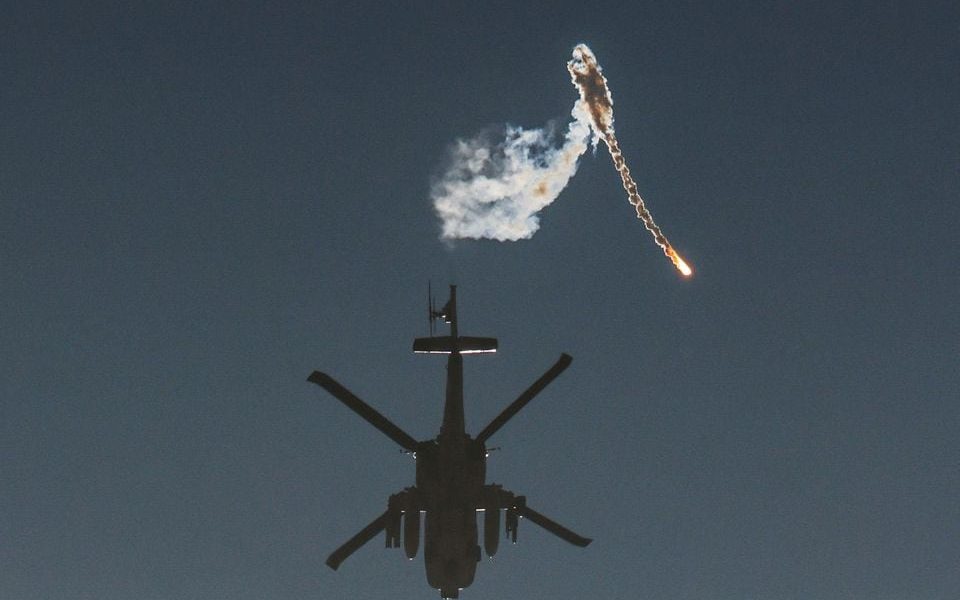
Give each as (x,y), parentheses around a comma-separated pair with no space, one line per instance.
(201,203)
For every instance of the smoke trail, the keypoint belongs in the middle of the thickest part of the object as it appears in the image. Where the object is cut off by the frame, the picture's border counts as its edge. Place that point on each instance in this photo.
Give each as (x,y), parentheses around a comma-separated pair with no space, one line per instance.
(494,189)
(588,77)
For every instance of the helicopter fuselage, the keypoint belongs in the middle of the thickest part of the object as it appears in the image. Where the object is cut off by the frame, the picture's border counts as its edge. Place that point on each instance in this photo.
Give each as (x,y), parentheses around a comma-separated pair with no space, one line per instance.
(450,486)
(451,472)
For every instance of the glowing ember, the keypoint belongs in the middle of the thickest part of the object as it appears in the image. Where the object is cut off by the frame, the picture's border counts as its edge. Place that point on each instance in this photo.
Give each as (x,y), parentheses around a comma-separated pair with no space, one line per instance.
(681,264)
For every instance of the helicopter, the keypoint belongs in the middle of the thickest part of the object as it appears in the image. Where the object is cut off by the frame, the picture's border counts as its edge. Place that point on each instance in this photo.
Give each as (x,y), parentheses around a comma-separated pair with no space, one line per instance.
(450,486)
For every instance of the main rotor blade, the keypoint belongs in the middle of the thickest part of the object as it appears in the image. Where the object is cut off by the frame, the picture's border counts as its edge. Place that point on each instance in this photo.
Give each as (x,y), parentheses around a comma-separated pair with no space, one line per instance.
(525,397)
(553,527)
(353,544)
(364,410)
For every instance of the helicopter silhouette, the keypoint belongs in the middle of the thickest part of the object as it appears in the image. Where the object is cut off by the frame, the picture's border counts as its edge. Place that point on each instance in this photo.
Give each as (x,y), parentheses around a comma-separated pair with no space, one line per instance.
(451,483)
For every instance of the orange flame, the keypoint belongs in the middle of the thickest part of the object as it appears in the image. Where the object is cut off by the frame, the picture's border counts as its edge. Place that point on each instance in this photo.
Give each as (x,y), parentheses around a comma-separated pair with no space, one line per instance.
(679,263)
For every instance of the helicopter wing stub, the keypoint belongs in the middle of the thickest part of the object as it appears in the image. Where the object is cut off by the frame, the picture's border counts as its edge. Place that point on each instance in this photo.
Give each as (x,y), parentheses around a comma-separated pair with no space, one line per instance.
(495,498)
(353,544)
(562,363)
(363,409)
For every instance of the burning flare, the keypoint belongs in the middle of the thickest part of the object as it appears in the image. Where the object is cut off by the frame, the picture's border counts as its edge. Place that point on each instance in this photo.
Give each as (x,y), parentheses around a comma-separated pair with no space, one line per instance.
(497,183)
(588,77)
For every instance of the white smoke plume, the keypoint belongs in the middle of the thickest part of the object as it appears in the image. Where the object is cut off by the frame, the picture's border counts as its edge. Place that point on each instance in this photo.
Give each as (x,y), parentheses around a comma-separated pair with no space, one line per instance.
(494,189)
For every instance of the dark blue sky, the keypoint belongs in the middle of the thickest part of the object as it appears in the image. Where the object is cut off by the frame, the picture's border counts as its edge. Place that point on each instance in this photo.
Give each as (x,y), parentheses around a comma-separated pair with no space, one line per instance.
(202,205)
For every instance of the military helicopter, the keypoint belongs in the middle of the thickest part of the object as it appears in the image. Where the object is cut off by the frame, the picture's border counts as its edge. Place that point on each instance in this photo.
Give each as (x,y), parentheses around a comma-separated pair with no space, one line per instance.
(451,483)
